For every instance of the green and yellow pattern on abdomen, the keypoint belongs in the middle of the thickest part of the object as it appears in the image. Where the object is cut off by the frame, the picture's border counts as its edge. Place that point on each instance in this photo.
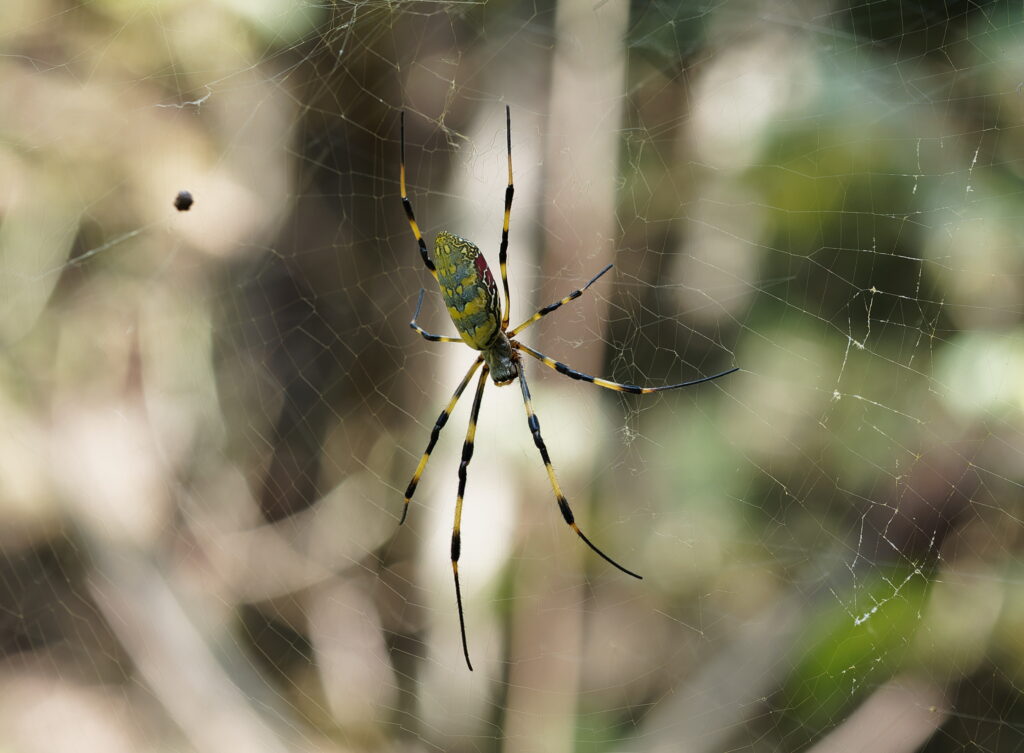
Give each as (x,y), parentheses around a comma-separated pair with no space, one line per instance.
(469,290)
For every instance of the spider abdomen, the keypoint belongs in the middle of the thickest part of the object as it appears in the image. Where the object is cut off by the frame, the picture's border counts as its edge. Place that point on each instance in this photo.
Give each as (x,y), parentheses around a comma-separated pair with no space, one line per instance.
(468,289)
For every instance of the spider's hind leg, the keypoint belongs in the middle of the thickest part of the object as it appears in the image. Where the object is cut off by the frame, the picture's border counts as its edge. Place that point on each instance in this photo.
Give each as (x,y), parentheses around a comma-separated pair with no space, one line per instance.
(509,191)
(407,206)
(427,335)
(541,313)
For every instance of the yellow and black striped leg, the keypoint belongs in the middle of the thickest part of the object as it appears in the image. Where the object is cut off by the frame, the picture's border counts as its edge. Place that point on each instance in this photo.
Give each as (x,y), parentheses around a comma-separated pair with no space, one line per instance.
(435,433)
(427,335)
(407,205)
(563,504)
(467,455)
(509,190)
(558,304)
(561,368)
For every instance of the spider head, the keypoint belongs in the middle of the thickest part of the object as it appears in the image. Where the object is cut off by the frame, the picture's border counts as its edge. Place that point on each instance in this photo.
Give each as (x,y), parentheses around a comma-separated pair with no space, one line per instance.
(501,360)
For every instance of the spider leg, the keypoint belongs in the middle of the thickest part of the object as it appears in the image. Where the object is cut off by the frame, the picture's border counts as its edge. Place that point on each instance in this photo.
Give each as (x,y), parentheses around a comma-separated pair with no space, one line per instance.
(435,433)
(427,335)
(407,205)
(467,455)
(557,304)
(561,368)
(509,190)
(563,504)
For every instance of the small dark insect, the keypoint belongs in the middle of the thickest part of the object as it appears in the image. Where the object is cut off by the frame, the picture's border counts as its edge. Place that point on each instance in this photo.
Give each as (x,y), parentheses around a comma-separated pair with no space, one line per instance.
(471,296)
(183,201)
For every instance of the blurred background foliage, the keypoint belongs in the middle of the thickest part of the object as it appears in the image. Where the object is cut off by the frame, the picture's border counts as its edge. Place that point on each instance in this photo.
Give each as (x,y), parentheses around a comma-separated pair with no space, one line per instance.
(209,417)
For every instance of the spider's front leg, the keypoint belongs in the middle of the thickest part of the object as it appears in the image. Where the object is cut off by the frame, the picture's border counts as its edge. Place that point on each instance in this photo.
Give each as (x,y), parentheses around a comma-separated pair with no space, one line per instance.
(434,434)
(633,389)
(467,455)
(563,503)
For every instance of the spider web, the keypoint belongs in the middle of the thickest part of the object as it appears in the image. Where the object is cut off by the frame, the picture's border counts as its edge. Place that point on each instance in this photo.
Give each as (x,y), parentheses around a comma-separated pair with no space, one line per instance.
(209,416)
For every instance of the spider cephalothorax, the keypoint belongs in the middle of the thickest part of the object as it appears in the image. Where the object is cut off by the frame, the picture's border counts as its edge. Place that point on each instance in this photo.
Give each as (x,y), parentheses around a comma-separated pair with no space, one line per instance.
(471,296)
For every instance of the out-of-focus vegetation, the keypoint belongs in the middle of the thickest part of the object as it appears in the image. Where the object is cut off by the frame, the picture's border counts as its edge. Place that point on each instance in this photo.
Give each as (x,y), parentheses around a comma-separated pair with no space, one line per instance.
(209,416)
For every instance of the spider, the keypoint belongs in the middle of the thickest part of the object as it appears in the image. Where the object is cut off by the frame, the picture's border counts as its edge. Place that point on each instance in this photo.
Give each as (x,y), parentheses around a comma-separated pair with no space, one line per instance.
(471,296)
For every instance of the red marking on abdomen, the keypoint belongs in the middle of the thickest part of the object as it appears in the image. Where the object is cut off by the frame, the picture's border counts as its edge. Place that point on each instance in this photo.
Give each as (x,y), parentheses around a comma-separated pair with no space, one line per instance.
(488,279)
(483,270)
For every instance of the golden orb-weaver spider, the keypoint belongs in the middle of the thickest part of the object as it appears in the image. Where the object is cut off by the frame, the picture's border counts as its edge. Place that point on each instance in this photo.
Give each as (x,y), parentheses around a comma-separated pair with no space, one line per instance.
(471,296)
